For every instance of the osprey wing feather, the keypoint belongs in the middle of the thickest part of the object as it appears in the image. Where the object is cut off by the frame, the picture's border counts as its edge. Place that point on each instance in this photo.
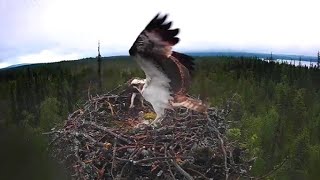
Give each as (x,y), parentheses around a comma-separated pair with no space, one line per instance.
(168,73)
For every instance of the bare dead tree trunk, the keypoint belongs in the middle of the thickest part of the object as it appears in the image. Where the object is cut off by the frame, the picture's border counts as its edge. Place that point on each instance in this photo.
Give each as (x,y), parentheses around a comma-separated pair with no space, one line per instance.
(99,69)
(318,63)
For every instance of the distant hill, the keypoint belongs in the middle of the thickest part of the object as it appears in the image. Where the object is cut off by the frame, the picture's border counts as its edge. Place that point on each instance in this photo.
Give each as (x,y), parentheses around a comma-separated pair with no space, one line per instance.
(201,54)
(250,54)
(16,65)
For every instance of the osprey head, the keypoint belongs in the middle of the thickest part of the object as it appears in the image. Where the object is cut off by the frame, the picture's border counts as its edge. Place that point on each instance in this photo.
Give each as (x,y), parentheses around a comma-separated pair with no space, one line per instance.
(138,81)
(135,81)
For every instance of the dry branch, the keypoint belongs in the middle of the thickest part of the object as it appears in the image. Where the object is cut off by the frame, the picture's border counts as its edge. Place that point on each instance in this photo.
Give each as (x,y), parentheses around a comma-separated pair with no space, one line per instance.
(106,140)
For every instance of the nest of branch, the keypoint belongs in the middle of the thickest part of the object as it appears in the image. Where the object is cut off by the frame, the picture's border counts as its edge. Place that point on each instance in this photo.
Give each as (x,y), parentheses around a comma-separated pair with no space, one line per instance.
(106,140)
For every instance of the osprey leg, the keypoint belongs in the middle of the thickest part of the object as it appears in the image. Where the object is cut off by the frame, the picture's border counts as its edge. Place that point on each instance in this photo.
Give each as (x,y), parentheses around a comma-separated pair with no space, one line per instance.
(160,116)
(157,121)
(133,96)
(140,91)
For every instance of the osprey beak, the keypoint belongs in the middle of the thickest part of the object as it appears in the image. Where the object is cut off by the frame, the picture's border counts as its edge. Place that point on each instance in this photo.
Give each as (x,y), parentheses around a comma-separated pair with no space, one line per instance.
(128,83)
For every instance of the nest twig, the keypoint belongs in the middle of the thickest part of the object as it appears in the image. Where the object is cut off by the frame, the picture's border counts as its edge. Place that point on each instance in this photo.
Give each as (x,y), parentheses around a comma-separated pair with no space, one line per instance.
(107,140)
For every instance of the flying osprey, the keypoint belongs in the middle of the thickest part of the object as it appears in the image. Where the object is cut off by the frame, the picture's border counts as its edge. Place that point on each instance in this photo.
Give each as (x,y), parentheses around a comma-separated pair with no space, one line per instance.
(168,73)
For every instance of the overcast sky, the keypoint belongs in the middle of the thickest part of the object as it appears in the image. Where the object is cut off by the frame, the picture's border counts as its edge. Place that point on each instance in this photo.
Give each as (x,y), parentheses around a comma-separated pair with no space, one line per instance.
(33,31)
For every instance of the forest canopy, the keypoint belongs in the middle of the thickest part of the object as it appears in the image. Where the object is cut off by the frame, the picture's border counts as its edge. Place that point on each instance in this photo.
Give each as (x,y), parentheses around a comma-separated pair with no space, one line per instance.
(276,115)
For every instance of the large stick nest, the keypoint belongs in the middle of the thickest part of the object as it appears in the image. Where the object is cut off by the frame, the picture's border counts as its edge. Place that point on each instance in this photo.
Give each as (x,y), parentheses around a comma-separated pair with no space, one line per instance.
(104,139)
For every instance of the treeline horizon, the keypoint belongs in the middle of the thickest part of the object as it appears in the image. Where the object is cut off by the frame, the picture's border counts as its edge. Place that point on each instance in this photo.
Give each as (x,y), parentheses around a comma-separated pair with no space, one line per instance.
(275,114)
(203,53)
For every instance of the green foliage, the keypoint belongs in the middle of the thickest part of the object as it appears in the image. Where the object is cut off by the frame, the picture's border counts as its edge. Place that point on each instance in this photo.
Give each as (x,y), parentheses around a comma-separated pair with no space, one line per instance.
(275,107)
(23,156)
(27,119)
(234,134)
(313,162)
(49,113)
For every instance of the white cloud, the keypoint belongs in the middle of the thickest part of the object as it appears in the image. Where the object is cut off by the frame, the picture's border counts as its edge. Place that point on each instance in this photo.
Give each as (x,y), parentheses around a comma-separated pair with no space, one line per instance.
(47,56)
(231,24)
(75,26)
(43,56)
(4,64)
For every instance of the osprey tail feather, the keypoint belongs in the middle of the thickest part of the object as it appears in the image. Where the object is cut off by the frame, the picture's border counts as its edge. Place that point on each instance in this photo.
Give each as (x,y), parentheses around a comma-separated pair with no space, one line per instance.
(190,103)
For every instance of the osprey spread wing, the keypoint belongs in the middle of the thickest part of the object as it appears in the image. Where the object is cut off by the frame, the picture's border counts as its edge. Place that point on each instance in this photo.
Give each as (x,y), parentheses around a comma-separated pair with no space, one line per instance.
(168,73)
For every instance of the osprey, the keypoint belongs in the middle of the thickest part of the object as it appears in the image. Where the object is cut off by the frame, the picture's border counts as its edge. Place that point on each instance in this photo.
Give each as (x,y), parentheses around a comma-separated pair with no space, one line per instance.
(135,84)
(168,73)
